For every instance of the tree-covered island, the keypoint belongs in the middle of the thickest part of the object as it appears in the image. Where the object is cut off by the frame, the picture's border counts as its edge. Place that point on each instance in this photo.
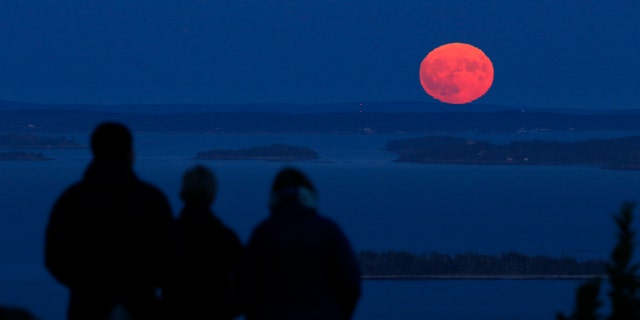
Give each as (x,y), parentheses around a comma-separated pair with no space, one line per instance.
(22,156)
(393,265)
(274,152)
(28,141)
(618,153)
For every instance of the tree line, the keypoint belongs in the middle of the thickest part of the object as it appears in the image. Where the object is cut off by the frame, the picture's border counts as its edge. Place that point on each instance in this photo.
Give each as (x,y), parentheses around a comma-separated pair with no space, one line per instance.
(387,263)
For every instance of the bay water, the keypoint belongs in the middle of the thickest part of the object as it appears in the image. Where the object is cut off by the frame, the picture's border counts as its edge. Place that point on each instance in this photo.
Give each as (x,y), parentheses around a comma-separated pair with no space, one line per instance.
(379,204)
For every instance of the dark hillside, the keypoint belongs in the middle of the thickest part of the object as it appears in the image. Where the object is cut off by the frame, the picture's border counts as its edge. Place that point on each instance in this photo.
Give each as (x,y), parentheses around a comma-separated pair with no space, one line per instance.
(330,122)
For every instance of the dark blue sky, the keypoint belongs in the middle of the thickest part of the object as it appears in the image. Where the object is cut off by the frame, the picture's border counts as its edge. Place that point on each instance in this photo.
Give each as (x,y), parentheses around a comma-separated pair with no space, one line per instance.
(546,53)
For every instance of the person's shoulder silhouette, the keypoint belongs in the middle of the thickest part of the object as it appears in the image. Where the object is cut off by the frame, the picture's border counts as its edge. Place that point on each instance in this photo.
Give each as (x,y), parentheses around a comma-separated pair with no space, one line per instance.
(15,313)
(299,264)
(207,255)
(109,236)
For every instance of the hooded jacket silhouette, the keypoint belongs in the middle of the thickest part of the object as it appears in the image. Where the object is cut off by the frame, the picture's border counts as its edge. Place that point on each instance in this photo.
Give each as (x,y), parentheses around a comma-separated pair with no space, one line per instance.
(299,265)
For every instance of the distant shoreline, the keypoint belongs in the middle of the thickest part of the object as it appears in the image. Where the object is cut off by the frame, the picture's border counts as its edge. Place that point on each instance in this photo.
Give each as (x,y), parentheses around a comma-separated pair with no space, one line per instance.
(628,167)
(274,152)
(31,142)
(615,153)
(23,156)
(482,277)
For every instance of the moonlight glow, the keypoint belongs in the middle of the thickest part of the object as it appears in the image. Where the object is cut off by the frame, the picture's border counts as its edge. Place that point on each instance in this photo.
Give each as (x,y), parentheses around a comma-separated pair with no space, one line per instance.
(456,73)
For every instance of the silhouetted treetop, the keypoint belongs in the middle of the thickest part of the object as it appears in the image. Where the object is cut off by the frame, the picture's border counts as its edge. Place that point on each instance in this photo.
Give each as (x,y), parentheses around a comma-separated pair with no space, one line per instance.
(622,278)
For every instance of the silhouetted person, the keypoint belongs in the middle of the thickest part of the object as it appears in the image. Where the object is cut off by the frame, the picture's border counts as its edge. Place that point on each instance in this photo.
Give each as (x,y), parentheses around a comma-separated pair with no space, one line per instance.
(15,313)
(299,264)
(109,236)
(208,255)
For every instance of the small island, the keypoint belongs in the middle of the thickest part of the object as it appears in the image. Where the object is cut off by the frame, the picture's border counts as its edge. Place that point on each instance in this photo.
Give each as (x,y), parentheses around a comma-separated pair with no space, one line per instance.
(27,141)
(22,156)
(274,152)
(617,153)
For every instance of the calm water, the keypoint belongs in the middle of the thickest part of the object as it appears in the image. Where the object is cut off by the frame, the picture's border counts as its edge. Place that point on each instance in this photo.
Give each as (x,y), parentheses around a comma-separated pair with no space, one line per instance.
(379,204)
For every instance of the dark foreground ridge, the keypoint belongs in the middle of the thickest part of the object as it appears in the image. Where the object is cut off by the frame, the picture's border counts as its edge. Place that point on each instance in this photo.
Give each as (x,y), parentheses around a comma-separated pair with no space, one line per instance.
(274,152)
(618,153)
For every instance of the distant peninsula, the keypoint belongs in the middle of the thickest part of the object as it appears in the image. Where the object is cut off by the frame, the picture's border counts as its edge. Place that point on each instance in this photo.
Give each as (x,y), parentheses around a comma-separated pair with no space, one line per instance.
(28,141)
(402,265)
(22,156)
(274,152)
(390,117)
(618,153)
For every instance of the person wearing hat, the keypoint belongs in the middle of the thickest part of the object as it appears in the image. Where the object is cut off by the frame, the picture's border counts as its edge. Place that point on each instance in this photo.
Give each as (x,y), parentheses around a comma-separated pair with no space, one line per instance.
(299,263)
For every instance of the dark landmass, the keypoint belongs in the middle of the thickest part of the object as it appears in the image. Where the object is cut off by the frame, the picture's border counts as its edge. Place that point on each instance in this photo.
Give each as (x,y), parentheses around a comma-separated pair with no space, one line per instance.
(486,277)
(309,119)
(274,152)
(617,153)
(366,106)
(22,156)
(28,141)
(397,265)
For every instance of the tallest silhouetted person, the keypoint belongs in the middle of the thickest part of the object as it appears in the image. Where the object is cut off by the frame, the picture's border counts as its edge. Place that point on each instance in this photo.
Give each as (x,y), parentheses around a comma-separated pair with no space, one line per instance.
(109,236)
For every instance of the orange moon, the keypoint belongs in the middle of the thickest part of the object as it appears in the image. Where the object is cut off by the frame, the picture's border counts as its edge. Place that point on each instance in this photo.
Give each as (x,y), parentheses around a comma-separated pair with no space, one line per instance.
(456,73)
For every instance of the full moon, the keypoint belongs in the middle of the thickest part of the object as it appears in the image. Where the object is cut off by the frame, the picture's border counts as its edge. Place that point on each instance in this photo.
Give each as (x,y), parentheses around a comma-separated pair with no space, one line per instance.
(456,73)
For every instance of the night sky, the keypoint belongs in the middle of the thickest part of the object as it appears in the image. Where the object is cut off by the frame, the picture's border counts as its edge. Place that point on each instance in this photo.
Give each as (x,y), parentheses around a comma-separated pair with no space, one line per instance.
(546,53)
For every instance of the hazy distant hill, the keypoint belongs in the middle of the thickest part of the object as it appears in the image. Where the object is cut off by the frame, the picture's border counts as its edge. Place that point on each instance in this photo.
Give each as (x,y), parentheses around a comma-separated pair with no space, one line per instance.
(355,106)
(383,106)
(336,118)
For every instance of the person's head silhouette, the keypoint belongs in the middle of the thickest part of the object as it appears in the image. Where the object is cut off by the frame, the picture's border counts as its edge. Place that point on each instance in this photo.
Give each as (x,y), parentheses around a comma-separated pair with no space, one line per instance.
(199,186)
(112,141)
(292,186)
